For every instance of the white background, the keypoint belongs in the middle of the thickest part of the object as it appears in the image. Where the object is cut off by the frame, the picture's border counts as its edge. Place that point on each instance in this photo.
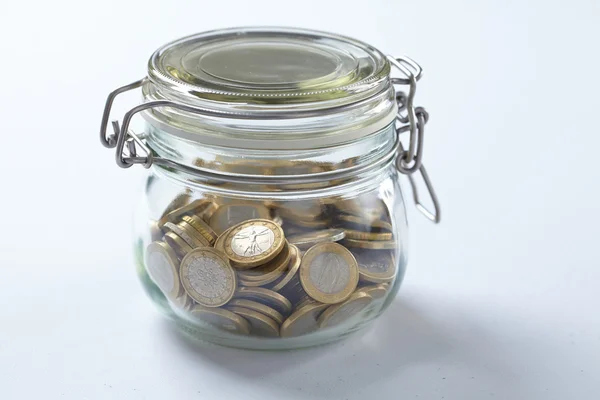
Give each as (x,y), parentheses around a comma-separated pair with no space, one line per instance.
(500,301)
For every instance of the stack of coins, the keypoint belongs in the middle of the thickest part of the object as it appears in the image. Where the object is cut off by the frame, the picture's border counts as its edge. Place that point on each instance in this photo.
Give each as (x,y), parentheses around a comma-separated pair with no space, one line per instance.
(272,269)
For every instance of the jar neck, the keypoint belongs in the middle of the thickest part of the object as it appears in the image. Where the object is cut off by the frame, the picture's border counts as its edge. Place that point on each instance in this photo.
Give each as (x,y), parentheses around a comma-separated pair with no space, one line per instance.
(230,168)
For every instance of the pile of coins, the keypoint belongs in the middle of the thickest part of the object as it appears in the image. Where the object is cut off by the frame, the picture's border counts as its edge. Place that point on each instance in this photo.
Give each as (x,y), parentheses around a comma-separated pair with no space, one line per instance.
(272,269)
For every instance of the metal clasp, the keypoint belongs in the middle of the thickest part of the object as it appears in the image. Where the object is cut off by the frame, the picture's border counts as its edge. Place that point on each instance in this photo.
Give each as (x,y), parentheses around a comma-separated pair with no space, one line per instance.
(410,161)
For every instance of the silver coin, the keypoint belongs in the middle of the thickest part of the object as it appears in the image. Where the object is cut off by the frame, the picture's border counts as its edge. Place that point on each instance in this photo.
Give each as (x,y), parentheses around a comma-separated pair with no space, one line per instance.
(207,277)
(252,241)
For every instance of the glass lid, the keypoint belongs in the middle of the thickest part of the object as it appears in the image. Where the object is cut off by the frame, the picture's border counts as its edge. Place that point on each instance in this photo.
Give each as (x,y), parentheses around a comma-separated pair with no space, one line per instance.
(268,66)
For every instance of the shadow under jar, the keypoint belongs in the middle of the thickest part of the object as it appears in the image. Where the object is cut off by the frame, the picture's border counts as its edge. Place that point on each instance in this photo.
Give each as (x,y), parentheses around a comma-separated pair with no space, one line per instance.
(272,216)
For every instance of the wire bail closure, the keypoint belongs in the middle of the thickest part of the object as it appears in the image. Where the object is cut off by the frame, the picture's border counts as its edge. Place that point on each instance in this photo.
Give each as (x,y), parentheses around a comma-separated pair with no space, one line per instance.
(407,161)
(411,160)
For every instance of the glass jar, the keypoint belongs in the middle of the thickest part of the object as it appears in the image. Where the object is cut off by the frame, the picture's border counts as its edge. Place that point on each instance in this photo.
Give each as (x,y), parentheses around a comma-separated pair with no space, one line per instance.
(272,216)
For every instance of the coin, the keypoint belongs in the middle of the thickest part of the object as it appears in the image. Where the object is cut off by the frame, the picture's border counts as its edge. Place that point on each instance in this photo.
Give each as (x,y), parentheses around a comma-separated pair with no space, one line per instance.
(375,291)
(304,300)
(370,206)
(190,230)
(372,245)
(260,323)
(293,266)
(339,313)
(162,266)
(155,232)
(314,224)
(366,224)
(233,214)
(191,208)
(273,269)
(269,297)
(358,235)
(329,273)
(190,239)
(220,242)
(309,239)
(207,277)
(258,307)
(177,243)
(375,266)
(303,320)
(181,200)
(202,227)
(221,318)
(254,242)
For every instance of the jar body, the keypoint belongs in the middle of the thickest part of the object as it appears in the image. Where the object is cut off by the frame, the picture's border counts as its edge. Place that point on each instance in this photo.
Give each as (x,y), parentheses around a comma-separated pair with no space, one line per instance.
(347,236)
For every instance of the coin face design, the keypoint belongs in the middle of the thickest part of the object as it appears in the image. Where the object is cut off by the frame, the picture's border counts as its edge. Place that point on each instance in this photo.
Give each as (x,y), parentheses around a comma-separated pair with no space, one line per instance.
(252,241)
(161,264)
(207,277)
(329,273)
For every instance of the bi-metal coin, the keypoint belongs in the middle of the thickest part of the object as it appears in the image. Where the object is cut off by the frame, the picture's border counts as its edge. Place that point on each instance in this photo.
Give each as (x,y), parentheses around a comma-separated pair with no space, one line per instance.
(258,307)
(329,273)
(254,242)
(375,266)
(260,323)
(371,245)
(202,227)
(303,320)
(267,296)
(339,313)
(292,267)
(162,266)
(207,277)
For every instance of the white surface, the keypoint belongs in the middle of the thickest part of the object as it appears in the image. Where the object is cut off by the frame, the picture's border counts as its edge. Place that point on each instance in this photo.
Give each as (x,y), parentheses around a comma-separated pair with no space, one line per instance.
(500,301)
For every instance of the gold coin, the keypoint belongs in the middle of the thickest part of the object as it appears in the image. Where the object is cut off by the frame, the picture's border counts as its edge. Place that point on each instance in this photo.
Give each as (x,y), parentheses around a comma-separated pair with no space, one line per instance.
(375,266)
(303,320)
(191,208)
(375,291)
(269,297)
(273,269)
(206,211)
(366,224)
(190,239)
(358,235)
(258,307)
(162,266)
(207,277)
(220,242)
(202,227)
(309,239)
(261,325)
(339,313)
(221,318)
(293,266)
(177,243)
(254,242)
(372,245)
(329,273)
(233,214)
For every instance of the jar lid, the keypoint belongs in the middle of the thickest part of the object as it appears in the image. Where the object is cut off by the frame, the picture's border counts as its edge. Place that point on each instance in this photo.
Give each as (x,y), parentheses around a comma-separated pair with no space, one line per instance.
(259,66)
(270,88)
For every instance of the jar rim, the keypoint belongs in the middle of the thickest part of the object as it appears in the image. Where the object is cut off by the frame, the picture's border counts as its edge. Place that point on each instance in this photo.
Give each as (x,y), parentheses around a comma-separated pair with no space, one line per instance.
(305,106)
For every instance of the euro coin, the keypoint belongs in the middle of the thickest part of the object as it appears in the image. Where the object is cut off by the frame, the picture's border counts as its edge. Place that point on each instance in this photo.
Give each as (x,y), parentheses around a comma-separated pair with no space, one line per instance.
(254,242)
(162,266)
(339,313)
(303,320)
(221,318)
